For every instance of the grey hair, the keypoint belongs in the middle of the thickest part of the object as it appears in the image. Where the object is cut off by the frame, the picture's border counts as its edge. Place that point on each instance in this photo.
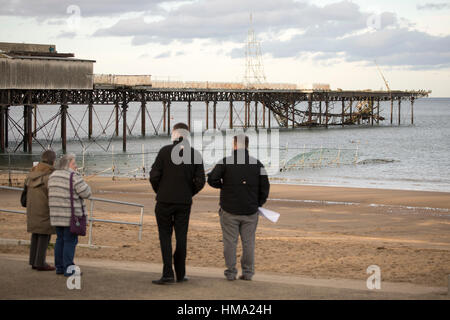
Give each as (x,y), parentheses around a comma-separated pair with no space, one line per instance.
(65,160)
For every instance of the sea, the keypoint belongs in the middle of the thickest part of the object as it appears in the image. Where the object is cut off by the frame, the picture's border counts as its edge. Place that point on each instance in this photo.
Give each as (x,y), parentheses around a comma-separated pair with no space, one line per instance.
(406,156)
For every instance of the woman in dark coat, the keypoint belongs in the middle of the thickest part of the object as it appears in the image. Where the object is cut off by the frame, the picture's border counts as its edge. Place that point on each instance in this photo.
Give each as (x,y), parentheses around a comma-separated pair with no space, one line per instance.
(38,213)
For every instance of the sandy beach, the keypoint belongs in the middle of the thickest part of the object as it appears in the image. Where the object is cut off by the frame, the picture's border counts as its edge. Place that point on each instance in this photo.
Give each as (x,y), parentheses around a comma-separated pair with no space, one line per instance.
(323,232)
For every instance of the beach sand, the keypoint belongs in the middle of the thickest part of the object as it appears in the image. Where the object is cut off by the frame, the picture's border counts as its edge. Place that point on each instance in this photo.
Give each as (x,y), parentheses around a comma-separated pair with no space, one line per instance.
(323,232)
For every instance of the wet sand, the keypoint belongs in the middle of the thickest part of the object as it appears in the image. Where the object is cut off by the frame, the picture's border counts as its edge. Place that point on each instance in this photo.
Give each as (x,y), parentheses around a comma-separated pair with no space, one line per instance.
(323,232)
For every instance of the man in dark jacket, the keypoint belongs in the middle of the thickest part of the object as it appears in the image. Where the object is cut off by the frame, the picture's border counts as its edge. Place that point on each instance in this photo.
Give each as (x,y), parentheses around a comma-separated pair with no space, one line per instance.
(176,176)
(38,213)
(244,187)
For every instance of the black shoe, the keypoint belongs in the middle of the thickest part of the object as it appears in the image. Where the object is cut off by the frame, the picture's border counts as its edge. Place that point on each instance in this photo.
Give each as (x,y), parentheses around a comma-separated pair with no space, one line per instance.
(164,281)
(185,279)
(242,277)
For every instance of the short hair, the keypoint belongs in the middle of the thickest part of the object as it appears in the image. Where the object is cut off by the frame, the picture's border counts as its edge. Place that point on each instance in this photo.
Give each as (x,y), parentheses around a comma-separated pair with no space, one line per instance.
(181,125)
(65,160)
(48,157)
(241,141)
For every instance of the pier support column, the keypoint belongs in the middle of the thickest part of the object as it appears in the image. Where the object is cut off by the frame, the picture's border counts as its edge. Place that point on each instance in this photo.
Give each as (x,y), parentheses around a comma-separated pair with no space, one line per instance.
(371,111)
(231,115)
(6,110)
(320,111)
(412,110)
(256,114)
(64,127)
(143,112)
(27,129)
(268,118)
(399,109)
(207,115)
(378,111)
(392,109)
(327,104)
(309,109)
(2,129)
(264,114)
(246,114)
(359,113)
(214,114)
(90,118)
(343,112)
(34,120)
(124,128)
(116,106)
(168,118)
(351,110)
(189,115)
(286,111)
(164,116)
(293,114)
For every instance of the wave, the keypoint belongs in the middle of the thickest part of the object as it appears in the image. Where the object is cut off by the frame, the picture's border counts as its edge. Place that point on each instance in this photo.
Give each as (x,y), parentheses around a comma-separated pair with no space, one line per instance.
(376,161)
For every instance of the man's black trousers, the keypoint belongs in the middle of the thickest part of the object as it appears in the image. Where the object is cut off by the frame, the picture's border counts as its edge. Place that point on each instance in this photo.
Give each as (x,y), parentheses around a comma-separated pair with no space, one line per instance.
(170,217)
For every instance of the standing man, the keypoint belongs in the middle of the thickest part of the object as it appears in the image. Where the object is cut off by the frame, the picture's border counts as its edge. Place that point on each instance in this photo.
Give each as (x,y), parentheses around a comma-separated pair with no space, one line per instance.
(244,186)
(38,212)
(176,176)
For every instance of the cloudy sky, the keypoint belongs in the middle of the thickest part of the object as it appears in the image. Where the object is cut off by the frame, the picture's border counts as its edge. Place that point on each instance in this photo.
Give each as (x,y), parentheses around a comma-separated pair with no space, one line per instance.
(327,41)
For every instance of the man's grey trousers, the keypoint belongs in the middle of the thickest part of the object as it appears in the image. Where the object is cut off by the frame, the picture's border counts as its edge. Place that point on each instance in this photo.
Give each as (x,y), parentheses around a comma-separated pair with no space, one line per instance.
(234,225)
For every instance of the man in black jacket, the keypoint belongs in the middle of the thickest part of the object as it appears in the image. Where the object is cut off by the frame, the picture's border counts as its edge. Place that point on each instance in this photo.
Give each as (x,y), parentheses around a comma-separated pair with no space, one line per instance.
(244,187)
(176,176)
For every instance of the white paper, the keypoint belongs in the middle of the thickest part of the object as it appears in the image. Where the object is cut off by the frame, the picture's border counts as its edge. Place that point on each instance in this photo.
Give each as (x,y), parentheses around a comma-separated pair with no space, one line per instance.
(269,214)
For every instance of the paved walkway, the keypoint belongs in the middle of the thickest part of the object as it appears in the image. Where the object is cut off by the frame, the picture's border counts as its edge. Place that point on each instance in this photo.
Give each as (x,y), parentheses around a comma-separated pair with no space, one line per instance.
(103,279)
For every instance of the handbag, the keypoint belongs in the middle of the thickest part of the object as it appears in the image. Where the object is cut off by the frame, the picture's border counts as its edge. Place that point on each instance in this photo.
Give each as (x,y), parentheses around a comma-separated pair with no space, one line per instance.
(23,197)
(77,224)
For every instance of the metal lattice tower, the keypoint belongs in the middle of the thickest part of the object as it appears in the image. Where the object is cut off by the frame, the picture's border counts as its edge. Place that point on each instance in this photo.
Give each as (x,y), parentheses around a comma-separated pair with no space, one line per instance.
(254,68)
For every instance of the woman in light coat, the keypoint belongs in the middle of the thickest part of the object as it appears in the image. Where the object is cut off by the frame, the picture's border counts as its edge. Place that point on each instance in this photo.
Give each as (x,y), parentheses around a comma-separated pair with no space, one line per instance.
(60,210)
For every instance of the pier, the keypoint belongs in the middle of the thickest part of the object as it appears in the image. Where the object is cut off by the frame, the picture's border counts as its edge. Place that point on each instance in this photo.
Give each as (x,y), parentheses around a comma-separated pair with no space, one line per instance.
(290,108)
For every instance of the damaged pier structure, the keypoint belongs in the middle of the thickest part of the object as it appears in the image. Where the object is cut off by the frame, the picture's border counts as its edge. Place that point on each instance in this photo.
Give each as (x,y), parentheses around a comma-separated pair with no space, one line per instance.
(36,75)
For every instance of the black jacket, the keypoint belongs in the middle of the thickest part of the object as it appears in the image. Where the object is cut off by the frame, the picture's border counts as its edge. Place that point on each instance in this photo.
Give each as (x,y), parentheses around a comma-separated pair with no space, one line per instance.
(176,182)
(244,187)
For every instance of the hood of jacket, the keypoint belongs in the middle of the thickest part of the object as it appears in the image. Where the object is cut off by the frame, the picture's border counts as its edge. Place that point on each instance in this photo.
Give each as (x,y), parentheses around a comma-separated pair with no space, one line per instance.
(37,172)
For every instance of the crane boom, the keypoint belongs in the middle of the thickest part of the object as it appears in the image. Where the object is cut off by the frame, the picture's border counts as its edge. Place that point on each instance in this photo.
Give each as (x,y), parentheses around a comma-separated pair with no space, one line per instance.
(384,79)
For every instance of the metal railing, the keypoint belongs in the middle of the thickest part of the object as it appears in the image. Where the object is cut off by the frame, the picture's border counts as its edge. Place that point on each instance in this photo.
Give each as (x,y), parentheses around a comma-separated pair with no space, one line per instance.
(91,218)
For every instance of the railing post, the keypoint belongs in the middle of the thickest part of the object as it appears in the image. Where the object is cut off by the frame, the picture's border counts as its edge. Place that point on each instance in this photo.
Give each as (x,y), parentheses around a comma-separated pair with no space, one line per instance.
(141,224)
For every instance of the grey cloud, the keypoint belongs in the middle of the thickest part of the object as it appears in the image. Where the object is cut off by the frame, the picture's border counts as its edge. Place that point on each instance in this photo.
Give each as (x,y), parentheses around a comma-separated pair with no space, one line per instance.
(217,19)
(163,55)
(433,6)
(393,47)
(67,35)
(56,8)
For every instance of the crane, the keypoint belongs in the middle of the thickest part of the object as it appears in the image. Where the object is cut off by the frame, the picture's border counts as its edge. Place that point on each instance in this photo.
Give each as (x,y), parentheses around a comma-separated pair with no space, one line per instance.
(384,79)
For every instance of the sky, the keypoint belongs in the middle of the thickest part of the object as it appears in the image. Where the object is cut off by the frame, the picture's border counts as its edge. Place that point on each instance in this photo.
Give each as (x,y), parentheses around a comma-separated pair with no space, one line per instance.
(302,42)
